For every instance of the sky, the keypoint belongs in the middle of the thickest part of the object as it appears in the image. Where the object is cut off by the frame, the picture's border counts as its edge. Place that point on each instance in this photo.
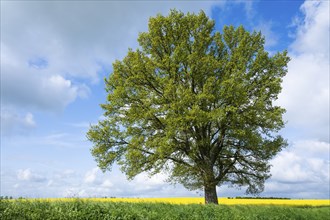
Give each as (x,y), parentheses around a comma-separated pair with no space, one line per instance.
(56,54)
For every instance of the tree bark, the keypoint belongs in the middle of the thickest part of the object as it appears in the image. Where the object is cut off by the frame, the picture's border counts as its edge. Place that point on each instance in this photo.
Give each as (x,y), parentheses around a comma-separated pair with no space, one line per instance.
(210,194)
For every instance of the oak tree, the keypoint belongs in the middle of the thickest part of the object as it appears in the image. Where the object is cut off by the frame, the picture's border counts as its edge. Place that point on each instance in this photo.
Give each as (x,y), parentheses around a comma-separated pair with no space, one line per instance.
(196,103)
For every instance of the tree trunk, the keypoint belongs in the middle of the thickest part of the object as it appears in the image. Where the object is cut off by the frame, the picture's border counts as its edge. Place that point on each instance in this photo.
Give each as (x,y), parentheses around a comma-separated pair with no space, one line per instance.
(210,194)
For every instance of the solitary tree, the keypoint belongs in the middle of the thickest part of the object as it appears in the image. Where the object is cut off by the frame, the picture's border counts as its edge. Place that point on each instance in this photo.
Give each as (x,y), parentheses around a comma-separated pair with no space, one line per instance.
(196,103)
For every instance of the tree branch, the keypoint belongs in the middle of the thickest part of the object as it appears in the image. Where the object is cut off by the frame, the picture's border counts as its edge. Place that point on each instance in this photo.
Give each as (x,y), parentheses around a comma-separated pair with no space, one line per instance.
(216,149)
(166,157)
(225,171)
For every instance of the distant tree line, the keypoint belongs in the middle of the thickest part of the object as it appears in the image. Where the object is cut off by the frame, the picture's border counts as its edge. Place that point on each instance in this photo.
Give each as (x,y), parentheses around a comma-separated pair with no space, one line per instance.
(5,197)
(247,197)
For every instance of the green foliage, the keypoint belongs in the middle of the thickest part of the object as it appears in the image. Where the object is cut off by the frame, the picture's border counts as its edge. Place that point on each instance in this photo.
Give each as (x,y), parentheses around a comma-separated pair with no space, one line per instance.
(194,102)
(107,210)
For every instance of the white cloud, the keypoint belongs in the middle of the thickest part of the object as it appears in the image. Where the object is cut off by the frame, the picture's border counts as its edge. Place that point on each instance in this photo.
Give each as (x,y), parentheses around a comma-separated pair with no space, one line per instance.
(46,46)
(90,176)
(14,123)
(302,169)
(266,29)
(68,173)
(249,9)
(107,183)
(62,178)
(312,148)
(28,175)
(50,183)
(73,192)
(313,30)
(24,87)
(29,120)
(52,52)
(97,184)
(305,92)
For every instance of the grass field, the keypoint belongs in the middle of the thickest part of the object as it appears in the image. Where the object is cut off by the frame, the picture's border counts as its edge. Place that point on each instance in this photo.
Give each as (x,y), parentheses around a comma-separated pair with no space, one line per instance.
(161,209)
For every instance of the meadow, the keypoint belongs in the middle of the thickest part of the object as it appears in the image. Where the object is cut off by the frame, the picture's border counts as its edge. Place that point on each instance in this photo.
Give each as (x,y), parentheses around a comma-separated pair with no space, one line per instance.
(166,208)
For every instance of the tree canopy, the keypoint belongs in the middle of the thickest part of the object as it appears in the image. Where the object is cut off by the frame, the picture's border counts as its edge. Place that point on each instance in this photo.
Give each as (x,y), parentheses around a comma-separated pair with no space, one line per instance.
(196,103)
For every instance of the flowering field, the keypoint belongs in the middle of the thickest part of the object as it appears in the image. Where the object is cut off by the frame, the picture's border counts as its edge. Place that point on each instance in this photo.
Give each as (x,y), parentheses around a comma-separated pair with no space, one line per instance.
(199,200)
(162,208)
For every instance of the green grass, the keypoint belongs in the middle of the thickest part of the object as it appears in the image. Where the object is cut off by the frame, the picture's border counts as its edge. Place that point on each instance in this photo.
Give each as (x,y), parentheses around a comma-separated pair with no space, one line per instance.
(19,209)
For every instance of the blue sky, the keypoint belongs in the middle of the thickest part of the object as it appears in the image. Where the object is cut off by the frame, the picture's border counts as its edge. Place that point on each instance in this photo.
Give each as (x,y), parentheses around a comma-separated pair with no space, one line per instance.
(55,55)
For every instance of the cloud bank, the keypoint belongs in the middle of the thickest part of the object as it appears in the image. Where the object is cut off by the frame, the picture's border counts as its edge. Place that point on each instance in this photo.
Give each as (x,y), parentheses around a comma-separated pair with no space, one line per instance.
(52,51)
(306,87)
(302,170)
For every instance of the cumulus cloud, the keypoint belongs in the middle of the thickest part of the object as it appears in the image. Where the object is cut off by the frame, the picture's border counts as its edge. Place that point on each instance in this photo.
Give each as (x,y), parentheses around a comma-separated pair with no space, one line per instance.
(28,88)
(97,184)
(306,87)
(313,30)
(53,52)
(92,183)
(301,171)
(47,48)
(90,176)
(28,175)
(116,184)
(107,183)
(14,123)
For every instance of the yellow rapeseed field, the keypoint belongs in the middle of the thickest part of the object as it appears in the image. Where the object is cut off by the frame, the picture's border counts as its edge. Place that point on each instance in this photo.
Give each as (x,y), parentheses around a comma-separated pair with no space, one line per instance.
(199,200)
